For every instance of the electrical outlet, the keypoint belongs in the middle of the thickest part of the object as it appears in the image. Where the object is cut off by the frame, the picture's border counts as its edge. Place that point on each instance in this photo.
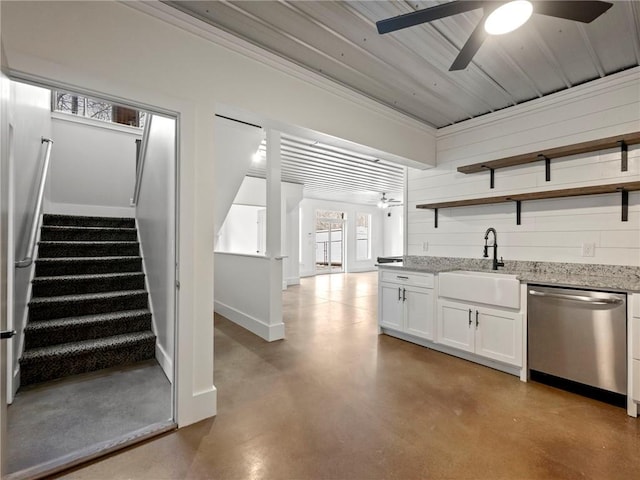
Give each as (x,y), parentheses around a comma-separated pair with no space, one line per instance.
(425,246)
(588,249)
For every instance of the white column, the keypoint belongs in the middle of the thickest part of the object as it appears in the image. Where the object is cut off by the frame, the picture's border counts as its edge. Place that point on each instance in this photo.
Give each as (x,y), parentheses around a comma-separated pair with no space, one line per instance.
(274,234)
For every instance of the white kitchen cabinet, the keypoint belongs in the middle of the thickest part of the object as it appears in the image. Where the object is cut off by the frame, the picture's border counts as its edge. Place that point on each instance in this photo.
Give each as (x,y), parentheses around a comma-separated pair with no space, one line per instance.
(488,332)
(407,303)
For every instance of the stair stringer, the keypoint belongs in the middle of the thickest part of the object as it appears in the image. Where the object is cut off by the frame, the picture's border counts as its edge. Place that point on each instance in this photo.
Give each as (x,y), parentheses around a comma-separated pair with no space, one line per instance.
(163,357)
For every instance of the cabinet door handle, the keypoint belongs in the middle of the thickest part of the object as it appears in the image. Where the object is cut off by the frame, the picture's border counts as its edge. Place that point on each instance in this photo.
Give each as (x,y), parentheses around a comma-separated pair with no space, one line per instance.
(399,293)
(469,317)
(402,278)
(477,322)
(404,294)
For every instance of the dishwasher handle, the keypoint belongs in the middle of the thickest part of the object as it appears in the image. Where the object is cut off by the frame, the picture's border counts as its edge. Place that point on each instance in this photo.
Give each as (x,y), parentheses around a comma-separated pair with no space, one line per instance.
(578,298)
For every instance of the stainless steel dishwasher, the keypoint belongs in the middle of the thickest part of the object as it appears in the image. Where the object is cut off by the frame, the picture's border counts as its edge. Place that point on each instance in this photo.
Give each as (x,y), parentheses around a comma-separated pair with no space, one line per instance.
(577,339)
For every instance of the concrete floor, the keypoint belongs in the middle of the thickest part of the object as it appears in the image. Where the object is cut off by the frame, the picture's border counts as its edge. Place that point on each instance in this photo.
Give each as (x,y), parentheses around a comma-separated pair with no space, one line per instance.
(335,400)
(59,418)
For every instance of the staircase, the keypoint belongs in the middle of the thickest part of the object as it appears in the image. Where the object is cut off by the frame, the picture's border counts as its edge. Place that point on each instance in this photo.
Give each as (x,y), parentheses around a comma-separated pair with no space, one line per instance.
(89,307)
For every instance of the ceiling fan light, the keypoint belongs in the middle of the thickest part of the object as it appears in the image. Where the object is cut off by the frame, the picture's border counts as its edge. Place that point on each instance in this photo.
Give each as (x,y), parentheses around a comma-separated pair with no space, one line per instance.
(506,18)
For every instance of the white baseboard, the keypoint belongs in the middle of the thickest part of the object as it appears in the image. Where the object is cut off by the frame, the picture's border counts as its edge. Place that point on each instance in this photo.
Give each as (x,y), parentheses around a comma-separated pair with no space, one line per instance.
(89,210)
(15,385)
(371,268)
(165,362)
(200,405)
(293,281)
(269,333)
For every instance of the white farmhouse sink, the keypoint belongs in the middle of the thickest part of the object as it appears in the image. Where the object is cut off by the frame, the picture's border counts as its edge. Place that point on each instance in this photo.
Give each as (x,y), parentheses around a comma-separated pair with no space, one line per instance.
(499,289)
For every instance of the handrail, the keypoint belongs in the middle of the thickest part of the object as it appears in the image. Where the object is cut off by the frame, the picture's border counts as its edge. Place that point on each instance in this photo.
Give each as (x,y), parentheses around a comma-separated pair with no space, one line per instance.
(141,159)
(28,259)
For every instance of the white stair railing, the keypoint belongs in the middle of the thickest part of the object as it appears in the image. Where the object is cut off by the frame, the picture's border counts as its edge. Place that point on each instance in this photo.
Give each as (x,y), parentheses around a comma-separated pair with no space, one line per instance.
(142,154)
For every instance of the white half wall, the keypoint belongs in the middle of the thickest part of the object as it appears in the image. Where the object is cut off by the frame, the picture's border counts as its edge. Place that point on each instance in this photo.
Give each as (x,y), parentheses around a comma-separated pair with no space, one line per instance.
(551,230)
(308,207)
(30,120)
(155,216)
(243,295)
(93,167)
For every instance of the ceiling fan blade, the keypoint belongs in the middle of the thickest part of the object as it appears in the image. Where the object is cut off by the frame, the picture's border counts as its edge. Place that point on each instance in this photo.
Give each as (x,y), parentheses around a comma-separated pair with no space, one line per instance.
(470,48)
(579,11)
(426,15)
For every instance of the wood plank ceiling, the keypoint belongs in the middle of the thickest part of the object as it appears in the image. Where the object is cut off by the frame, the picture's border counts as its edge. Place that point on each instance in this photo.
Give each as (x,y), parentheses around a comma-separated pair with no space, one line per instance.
(408,70)
(328,172)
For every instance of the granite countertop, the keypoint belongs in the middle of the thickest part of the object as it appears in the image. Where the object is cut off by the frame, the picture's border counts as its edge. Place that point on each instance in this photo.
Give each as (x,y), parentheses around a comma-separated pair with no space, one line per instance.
(607,277)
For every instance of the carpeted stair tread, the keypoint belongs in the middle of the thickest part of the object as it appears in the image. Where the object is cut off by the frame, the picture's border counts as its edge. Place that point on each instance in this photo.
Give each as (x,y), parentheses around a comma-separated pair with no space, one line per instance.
(62,249)
(86,327)
(66,350)
(46,267)
(77,233)
(85,320)
(49,308)
(49,363)
(83,297)
(89,308)
(72,220)
(52,286)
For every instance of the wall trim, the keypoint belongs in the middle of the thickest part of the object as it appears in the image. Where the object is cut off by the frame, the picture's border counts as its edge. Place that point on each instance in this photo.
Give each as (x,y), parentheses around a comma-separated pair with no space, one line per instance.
(164,360)
(202,405)
(226,40)
(91,122)
(269,333)
(293,281)
(619,80)
(57,208)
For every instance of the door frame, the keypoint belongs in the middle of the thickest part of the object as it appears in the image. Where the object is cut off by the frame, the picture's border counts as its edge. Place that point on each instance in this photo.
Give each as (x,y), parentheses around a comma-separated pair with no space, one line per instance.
(175,247)
(331,221)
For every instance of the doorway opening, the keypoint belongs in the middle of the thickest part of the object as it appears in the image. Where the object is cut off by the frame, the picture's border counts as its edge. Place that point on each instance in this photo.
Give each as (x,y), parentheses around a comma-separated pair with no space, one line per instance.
(329,239)
(91,368)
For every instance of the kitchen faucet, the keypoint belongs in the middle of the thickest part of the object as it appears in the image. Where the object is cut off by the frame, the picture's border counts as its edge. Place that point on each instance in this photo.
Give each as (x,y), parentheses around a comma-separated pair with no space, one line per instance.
(496,263)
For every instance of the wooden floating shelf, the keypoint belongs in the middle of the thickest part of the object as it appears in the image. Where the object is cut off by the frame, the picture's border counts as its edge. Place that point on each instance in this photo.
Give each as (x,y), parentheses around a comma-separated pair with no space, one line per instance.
(565,151)
(567,192)
(623,188)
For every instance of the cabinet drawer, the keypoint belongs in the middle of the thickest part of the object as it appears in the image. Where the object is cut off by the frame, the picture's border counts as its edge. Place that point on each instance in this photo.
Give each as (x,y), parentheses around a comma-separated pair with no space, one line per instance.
(635,338)
(636,379)
(407,278)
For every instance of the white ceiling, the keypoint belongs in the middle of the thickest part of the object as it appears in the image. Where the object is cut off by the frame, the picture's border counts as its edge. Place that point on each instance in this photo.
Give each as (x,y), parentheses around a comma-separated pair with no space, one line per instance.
(408,70)
(331,173)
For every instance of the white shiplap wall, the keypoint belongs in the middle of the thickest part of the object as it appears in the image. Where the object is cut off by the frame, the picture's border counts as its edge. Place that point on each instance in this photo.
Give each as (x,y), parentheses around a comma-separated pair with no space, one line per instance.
(551,230)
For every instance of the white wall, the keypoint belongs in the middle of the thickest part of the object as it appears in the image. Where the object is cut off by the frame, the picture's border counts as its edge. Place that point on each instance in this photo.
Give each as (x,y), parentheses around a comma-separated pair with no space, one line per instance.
(308,208)
(235,144)
(93,167)
(551,230)
(30,121)
(239,233)
(393,230)
(187,73)
(155,216)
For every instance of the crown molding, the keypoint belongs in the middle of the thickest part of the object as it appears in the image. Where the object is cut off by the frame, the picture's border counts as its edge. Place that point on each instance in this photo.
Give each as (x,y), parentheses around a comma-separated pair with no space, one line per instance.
(208,32)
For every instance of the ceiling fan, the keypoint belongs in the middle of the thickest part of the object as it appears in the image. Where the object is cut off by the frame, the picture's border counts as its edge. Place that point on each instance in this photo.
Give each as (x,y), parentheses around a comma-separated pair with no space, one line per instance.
(498,17)
(386,202)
